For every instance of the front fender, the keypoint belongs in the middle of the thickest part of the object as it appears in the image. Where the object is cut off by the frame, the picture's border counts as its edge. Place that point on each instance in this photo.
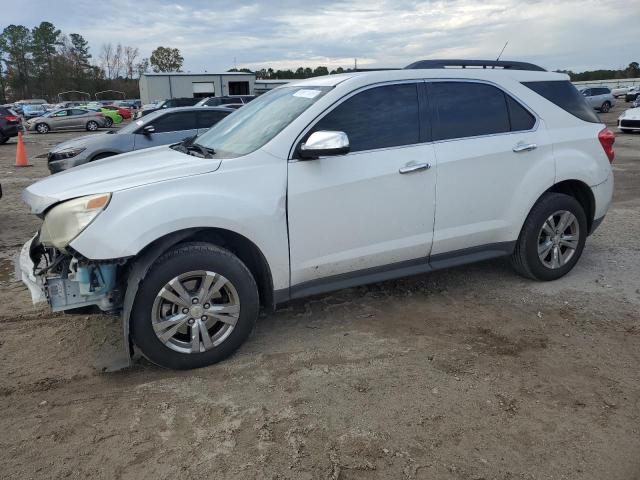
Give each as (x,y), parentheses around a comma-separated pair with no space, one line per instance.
(254,207)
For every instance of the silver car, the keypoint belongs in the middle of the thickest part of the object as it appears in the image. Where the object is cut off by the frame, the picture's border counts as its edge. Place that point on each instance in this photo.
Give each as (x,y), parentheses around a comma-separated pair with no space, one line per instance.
(163,127)
(599,98)
(67,119)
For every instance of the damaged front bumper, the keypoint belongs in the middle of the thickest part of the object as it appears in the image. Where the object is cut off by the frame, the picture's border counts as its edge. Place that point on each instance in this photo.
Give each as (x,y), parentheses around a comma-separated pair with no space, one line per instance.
(64,281)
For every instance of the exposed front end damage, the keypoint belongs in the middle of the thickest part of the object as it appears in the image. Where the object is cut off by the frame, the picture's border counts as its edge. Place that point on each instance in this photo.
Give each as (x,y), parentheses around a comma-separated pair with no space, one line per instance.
(66,280)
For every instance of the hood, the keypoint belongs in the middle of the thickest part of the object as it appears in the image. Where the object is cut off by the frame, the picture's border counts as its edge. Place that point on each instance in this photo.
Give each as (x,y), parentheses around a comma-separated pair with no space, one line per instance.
(631,114)
(84,141)
(111,174)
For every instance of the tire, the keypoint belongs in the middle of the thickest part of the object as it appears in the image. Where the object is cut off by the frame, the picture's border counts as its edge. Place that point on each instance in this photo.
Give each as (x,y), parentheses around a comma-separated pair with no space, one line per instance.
(626,130)
(42,128)
(92,126)
(534,236)
(180,264)
(3,139)
(606,106)
(100,156)
(109,122)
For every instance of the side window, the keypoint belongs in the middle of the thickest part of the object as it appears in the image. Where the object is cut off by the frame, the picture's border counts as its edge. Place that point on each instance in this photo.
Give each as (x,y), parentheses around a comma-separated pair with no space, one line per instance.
(61,113)
(379,117)
(77,111)
(520,118)
(206,119)
(587,92)
(465,109)
(175,121)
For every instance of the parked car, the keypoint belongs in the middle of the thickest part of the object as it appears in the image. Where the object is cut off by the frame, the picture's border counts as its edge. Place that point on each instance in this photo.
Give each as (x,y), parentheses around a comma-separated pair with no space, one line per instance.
(33,111)
(599,98)
(629,121)
(160,128)
(636,103)
(308,189)
(67,119)
(234,106)
(10,124)
(632,94)
(224,100)
(125,113)
(170,103)
(111,116)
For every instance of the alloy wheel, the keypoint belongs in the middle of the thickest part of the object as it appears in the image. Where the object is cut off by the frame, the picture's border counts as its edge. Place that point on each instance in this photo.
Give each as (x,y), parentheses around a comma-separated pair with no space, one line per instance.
(558,239)
(195,311)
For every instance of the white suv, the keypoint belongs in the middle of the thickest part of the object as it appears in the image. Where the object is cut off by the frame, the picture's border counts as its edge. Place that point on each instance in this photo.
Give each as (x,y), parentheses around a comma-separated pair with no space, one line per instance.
(323,184)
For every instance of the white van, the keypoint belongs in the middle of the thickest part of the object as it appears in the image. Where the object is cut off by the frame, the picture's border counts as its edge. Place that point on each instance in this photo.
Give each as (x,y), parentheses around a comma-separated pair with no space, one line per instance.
(323,184)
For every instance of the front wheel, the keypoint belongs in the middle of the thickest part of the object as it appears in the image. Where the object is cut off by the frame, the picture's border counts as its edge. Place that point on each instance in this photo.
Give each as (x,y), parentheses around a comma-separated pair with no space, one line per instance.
(606,106)
(196,306)
(42,128)
(552,238)
(108,122)
(92,126)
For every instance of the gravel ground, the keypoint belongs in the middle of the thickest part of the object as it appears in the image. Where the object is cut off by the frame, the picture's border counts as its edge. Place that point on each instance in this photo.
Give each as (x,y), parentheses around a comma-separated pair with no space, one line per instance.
(470,373)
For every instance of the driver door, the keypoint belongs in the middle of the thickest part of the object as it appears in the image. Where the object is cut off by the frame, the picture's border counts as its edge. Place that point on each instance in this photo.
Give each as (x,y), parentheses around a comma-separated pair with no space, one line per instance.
(360,216)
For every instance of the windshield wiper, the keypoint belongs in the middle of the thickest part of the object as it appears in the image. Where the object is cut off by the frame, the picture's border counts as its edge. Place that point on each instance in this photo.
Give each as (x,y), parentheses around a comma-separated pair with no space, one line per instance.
(187,146)
(205,151)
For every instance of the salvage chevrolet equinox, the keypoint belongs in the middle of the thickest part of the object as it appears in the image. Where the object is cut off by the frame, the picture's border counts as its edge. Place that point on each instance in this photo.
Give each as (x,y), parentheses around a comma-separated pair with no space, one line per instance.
(322,184)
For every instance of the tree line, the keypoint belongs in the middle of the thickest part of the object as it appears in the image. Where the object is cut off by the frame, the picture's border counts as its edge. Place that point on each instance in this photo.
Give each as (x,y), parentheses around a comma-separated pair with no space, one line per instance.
(631,71)
(42,61)
(288,74)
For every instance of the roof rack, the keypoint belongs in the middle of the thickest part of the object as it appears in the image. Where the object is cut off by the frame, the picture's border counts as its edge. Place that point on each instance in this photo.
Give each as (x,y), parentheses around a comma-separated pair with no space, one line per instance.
(502,64)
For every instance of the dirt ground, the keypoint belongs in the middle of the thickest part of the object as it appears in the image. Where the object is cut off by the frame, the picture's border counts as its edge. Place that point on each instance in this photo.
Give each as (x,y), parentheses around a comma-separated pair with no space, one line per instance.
(471,373)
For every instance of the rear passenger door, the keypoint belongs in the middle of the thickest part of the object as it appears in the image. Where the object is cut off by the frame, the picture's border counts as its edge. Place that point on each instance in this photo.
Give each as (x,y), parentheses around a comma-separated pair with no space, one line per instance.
(371,208)
(493,155)
(77,118)
(208,118)
(172,127)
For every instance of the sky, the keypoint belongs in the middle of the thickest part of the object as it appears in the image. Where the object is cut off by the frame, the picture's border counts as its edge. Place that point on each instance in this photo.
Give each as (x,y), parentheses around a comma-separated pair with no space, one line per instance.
(214,35)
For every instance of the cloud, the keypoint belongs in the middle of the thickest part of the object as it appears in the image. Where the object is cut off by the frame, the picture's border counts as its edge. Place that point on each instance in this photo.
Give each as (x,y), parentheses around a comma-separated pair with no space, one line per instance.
(576,35)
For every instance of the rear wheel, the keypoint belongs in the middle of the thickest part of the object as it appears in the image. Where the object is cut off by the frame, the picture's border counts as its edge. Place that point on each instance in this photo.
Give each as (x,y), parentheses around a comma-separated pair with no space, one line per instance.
(3,139)
(606,106)
(552,238)
(42,128)
(108,122)
(195,307)
(92,125)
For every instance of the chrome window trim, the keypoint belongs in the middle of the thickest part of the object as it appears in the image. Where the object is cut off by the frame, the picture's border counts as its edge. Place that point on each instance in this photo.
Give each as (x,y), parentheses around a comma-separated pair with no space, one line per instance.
(329,109)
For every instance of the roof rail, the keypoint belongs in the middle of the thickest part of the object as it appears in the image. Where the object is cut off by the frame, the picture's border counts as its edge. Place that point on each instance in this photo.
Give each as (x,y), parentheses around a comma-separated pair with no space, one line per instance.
(502,64)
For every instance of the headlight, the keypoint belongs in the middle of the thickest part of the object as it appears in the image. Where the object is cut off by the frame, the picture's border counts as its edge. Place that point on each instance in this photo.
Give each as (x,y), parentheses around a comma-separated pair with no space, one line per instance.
(67,153)
(64,222)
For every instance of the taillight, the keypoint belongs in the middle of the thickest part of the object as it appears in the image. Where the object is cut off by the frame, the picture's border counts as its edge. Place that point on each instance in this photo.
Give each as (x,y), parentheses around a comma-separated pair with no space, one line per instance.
(12,118)
(607,138)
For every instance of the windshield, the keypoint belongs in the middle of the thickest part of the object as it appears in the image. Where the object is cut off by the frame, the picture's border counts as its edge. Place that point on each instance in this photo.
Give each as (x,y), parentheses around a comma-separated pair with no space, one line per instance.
(253,125)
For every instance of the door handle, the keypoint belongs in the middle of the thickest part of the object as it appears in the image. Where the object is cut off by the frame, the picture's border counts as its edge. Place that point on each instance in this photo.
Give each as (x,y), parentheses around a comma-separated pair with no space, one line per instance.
(524,147)
(414,167)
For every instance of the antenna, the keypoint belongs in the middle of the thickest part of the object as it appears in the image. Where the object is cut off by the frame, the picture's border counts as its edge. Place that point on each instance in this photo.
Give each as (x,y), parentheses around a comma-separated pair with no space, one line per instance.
(505,46)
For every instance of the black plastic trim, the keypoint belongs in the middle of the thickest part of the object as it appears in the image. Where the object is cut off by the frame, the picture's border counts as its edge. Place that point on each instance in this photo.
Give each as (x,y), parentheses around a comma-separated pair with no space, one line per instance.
(595,224)
(395,270)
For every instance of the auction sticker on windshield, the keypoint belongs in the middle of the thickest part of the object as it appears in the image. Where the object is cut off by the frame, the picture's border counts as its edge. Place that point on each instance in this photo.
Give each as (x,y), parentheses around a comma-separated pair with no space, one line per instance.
(307,93)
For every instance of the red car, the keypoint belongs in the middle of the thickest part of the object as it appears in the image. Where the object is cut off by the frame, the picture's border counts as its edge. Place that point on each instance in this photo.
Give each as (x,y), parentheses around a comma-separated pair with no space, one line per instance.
(125,113)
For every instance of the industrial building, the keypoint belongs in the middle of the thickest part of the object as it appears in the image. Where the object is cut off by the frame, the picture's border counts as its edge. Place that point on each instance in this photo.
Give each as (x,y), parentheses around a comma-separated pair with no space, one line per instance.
(161,86)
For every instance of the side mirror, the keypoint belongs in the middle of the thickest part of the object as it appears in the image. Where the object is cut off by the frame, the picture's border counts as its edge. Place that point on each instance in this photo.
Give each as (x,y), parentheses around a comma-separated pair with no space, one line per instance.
(324,143)
(148,130)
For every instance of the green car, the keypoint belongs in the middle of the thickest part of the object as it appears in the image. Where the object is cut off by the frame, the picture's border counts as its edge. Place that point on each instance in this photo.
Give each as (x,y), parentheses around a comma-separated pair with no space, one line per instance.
(111,116)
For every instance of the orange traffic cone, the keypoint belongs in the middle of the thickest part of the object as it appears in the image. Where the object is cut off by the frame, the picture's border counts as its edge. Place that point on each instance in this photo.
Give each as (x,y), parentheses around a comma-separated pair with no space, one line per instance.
(21,154)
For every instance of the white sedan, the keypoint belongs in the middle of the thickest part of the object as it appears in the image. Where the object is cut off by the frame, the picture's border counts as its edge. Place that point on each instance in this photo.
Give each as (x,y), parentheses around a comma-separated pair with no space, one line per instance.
(629,121)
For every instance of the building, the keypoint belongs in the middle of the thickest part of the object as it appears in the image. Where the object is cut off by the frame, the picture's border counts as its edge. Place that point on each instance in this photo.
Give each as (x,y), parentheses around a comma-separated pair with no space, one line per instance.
(162,86)
(263,86)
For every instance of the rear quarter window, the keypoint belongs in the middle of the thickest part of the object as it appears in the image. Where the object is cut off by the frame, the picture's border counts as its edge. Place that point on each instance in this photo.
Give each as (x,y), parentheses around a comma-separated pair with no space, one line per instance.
(564,95)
